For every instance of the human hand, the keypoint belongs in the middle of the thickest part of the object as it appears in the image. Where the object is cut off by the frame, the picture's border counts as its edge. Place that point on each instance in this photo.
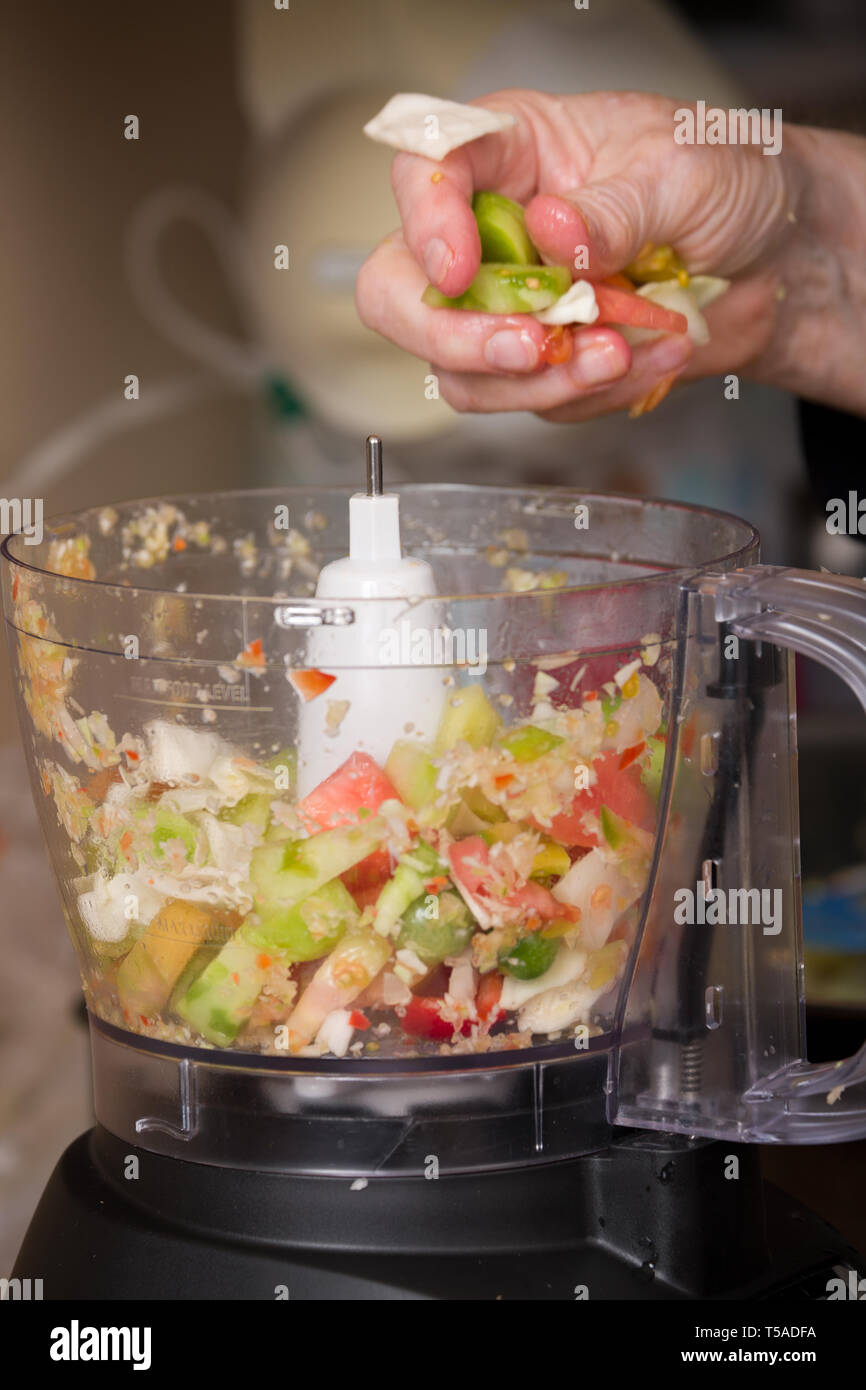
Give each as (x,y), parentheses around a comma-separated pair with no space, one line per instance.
(600,171)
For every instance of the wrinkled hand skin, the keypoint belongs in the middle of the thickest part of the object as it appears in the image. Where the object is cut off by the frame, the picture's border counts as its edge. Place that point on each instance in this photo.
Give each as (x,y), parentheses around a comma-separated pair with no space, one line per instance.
(603,171)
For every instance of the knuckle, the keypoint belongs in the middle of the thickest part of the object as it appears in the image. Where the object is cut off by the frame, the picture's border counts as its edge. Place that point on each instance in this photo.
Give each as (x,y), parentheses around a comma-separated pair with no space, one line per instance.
(454,393)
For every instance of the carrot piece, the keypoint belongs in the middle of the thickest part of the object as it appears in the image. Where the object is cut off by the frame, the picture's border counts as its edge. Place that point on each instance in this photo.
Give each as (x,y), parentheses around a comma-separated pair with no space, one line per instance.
(653,397)
(618,306)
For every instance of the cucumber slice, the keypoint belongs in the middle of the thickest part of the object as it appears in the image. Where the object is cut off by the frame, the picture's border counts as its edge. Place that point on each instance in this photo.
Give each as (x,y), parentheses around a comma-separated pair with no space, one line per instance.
(279,834)
(469,716)
(195,967)
(285,874)
(254,809)
(528,743)
(220,1001)
(412,772)
(507,289)
(424,860)
(405,886)
(307,930)
(170,825)
(502,228)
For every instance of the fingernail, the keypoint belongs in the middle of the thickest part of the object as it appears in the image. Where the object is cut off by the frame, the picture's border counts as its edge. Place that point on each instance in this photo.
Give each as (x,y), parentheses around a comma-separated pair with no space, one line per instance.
(604,362)
(511,351)
(671,352)
(438,258)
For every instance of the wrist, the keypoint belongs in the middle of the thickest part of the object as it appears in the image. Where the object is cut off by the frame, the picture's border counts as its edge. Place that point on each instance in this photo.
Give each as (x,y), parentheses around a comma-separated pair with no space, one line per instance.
(815,275)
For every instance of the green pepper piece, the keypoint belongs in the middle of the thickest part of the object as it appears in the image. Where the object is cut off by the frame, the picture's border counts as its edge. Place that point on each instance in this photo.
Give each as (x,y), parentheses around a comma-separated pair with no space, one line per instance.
(530,957)
(435,937)
(615,830)
(652,773)
(502,228)
(507,289)
(529,742)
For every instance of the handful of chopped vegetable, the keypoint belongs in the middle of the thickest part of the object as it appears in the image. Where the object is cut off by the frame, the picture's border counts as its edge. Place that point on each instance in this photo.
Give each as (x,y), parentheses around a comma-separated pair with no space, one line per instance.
(655,294)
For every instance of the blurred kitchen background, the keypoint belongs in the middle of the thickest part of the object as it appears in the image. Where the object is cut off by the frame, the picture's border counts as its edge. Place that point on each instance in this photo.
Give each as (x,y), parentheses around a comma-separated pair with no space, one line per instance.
(155,257)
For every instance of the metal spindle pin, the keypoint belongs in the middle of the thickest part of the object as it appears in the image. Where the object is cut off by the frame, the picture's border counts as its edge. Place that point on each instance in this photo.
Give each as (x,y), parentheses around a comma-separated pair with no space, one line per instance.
(374,466)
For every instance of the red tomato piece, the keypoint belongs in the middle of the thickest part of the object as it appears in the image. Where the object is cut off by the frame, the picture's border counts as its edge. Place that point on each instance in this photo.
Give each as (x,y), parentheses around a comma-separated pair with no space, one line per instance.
(622,791)
(423,1019)
(470,861)
(474,874)
(366,879)
(619,306)
(538,901)
(309,684)
(558,345)
(358,784)
(253,654)
(631,754)
(488,996)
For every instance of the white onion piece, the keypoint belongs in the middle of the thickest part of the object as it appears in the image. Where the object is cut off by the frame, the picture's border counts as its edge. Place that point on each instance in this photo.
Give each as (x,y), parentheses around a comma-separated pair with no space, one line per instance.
(430,126)
(705,288)
(556,1009)
(461,983)
(577,305)
(336,1031)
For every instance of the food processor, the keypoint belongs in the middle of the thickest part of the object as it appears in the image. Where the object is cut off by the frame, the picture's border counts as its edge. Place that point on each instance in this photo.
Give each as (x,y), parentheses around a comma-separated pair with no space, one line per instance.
(195,676)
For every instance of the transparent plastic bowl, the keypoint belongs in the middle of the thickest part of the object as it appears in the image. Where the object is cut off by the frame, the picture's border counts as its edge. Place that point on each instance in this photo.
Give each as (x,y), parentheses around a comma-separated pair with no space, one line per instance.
(176,674)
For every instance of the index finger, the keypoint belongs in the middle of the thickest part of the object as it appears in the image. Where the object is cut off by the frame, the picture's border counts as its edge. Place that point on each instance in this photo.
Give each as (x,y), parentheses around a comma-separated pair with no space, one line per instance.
(435,197)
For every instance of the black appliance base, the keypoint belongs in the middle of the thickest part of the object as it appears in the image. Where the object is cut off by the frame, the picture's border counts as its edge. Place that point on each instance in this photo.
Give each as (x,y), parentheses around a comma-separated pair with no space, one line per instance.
(652,1217)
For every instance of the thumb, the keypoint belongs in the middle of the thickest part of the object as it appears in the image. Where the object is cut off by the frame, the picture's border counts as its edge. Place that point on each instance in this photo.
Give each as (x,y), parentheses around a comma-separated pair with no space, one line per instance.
(597,229)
